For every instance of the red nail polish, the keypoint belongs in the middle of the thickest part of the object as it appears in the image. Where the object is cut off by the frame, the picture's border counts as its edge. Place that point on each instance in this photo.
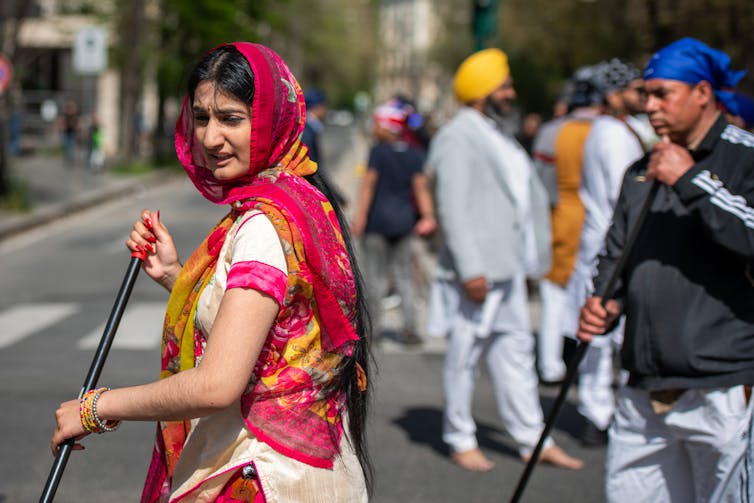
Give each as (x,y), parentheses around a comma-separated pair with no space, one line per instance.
(152,239)
(158,214)
(149,247)
(148,223)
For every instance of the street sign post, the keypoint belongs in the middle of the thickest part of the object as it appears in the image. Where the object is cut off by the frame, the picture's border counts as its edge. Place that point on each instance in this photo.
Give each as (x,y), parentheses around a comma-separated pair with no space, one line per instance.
(90,50)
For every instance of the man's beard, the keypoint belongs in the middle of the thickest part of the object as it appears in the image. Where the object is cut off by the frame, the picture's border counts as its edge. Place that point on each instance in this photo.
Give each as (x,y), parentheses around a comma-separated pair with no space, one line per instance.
(496,112)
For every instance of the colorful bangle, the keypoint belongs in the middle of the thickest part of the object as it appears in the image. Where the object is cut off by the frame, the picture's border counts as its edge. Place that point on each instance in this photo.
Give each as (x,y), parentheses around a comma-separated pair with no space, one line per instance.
(88,413)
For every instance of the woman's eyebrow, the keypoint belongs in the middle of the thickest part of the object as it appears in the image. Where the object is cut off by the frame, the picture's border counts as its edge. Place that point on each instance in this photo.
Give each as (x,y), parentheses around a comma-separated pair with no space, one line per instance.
(231,110)
(225,110)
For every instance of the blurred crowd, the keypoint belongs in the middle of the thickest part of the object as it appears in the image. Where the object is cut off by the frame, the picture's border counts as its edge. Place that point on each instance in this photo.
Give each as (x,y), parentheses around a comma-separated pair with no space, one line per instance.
(507,218)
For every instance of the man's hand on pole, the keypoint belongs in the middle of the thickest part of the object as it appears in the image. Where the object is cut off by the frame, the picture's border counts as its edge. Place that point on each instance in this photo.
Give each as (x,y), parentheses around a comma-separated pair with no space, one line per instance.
(595,319)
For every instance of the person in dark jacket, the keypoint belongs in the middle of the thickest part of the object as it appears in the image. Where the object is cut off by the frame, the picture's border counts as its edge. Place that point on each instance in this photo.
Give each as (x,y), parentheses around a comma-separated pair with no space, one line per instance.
(683,419)
(316,111)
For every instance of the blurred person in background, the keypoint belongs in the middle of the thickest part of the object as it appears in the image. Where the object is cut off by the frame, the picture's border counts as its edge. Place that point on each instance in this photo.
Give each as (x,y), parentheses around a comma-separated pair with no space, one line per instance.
(316,112)
(682,426)
(416,131)
(613,144)
(394,205)
(559,153)
(528,131)
(262,393)
(493,212)
(69,130)
(95,142)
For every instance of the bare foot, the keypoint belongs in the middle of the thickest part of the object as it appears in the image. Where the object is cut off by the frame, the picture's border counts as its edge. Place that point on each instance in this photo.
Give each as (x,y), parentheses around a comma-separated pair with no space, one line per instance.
(472,460)
(558,457)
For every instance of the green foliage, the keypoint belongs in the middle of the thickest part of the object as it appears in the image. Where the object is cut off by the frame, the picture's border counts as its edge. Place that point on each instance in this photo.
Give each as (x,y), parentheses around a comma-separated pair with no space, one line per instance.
(188,28)
(329,44)
(547,40)
(324,50)
(16,198)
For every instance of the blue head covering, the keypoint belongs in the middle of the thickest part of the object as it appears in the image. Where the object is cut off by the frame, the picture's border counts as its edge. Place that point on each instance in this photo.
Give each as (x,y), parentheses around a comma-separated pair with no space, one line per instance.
(691,61)
(745,108)
(314,97)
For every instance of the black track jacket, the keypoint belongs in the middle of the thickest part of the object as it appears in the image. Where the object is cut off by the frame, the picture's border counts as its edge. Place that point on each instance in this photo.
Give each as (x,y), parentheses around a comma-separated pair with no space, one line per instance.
(688,286)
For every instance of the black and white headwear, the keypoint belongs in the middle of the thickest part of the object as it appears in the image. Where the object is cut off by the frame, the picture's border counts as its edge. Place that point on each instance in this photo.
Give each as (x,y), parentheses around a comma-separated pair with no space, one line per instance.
(615,75)
(585,90)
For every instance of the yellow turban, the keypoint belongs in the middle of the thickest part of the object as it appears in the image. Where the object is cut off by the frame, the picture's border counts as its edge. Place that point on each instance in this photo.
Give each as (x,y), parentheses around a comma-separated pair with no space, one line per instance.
(480,74)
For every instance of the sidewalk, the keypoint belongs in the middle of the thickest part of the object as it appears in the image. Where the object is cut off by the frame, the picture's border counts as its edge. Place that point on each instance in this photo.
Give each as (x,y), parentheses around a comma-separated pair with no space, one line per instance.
(56,191)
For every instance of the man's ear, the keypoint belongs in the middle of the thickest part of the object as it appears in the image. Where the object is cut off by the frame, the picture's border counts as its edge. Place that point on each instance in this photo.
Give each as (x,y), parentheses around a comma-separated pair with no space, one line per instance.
(705,92)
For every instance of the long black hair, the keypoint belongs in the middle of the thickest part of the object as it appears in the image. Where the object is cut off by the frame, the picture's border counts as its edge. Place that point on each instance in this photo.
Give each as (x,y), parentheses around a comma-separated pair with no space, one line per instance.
(229,70)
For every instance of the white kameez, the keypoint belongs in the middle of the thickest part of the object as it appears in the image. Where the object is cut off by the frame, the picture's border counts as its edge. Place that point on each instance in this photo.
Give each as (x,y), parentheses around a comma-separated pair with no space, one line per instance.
(220,444)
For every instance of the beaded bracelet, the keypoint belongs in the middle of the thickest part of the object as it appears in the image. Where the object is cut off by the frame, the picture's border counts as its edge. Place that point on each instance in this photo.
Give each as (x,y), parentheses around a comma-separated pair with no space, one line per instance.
(88,413)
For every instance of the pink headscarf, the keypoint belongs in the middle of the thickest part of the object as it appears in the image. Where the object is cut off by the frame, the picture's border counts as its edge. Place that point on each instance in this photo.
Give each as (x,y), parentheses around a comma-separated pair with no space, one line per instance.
(278,116)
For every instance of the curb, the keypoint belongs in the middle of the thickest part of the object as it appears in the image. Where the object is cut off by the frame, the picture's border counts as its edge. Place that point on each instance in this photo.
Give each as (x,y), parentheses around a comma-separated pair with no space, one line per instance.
(18,223)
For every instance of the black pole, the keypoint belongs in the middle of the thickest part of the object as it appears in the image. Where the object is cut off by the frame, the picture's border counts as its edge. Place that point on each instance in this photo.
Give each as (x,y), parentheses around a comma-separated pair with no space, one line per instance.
(56,473)
(607,292)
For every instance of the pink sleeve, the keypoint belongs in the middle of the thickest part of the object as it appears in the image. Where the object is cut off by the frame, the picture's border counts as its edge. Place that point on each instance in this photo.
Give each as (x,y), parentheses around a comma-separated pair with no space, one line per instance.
(259,276)
(258,260)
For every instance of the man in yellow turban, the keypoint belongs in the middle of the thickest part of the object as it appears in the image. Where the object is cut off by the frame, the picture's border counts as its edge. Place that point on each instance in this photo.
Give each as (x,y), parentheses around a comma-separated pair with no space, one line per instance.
(494,214)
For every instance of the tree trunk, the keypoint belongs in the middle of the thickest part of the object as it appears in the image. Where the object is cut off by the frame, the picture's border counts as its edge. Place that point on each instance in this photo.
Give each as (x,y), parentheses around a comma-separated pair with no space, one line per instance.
(132,72)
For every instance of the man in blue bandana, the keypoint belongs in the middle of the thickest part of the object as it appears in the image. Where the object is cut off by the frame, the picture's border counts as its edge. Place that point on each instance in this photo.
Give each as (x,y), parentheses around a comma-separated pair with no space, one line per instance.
(683,419)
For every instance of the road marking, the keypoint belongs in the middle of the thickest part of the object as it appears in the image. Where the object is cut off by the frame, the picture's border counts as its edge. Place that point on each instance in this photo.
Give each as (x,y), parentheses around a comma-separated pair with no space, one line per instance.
(429,346)
(24,320)
(140,328)
(116,246)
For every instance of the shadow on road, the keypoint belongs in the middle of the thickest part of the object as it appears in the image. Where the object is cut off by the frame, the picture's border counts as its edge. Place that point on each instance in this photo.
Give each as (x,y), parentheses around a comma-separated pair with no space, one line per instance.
(424,426)
(569,420)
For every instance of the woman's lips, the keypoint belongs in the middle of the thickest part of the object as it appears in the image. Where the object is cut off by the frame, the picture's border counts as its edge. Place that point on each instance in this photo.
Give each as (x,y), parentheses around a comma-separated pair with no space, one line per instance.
(220,160)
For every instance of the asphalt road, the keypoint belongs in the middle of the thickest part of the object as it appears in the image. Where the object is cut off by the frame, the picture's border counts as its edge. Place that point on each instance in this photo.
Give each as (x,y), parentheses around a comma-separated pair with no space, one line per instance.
(57,285)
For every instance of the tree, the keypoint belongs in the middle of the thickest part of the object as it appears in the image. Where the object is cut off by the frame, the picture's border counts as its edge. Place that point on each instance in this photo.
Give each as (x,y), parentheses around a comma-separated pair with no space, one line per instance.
(547,40)
(331,52)
(322,49)
(185,30)
(133,38)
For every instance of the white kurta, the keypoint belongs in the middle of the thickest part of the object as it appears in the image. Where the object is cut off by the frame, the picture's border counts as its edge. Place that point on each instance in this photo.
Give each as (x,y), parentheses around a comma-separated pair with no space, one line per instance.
(609,150)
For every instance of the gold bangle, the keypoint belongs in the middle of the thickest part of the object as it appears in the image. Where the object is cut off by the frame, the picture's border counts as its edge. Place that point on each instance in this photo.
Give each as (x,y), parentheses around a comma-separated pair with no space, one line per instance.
(88,412)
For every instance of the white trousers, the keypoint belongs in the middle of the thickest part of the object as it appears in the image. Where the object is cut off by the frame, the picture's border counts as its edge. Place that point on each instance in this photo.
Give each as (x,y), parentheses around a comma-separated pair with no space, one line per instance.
(509,355)
(694,453)
(555,303)
(595,388)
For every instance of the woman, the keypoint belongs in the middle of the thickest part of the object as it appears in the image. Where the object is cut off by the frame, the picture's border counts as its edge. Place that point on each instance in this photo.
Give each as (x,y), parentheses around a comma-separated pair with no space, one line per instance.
(265,337)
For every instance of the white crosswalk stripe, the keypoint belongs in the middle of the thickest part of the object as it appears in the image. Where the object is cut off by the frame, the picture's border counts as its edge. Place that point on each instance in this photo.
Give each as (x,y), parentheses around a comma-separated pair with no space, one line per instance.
(23,320)
(140,328)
